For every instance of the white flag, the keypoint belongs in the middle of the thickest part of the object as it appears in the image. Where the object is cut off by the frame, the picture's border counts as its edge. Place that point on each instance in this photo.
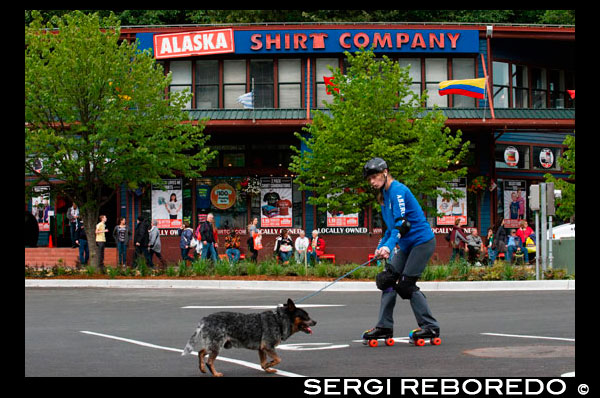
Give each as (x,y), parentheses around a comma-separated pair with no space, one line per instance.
(247,99)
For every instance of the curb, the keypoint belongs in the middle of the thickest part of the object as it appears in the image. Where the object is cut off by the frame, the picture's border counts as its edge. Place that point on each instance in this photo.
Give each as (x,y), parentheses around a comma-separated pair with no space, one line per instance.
(472,286)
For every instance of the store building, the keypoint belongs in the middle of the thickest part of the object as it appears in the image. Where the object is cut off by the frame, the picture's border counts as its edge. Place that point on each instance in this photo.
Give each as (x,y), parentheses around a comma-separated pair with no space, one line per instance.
(530,69)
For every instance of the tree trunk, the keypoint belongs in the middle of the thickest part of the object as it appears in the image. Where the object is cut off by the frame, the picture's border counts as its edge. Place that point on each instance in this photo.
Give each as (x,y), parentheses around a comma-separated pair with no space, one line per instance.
(90,219)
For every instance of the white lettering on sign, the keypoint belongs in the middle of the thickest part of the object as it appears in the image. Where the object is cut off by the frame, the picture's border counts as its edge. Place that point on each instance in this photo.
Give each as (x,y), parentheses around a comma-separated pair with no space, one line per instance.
(187,44)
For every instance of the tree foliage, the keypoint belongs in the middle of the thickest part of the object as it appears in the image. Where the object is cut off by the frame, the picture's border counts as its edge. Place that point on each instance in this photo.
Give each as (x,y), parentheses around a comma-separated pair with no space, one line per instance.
(96,113)
(565,205)
(375,114)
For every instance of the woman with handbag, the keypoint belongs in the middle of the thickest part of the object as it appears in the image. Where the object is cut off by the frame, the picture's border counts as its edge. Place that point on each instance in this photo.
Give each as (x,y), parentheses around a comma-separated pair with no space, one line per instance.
(254,240)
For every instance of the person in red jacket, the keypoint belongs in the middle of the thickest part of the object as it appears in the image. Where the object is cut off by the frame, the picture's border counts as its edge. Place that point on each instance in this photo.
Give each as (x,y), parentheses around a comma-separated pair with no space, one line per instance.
(523,233)
(316,247)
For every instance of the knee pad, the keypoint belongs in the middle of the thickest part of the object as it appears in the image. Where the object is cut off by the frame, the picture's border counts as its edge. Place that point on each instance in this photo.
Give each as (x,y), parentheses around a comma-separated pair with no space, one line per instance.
(407,286)
(385,280)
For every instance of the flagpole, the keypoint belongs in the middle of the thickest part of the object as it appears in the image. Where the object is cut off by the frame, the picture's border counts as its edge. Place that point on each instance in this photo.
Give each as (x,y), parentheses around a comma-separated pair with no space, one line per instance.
(487,84)
(253,107)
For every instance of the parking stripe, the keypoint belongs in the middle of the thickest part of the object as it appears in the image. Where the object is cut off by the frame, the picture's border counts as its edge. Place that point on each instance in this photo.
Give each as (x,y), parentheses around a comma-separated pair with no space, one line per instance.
(219,358)
(528,337)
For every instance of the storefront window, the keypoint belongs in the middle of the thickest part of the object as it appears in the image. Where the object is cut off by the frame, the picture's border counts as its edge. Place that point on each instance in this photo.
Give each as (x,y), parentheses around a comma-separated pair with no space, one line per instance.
(289,78)
(520,86)
(207,84)
(500,89)
(234,82)
(321,70)
(545,158)
(414,72)
(556,80)
(463,68)
(538,85)
(181,78)
(436,70)
(223,197)
(261,70)
(512,156)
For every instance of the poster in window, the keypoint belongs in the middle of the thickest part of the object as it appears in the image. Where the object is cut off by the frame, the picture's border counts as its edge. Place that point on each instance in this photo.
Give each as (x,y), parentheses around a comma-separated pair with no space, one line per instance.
(339,219)
(546,158)
(453,208)
(514,202)
(511,156)
(40,207)
(222,196)
(167,207)
(276,202)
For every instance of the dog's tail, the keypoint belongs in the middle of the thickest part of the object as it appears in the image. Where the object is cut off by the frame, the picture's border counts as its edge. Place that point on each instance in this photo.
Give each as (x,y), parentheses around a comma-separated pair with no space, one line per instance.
(189,347)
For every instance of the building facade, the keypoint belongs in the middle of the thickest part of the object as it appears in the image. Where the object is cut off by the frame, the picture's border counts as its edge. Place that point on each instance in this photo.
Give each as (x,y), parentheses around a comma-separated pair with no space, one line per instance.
(530,69)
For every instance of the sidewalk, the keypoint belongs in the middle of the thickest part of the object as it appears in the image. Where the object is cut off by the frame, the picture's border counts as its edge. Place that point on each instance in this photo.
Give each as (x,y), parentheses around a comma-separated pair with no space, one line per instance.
(301,286)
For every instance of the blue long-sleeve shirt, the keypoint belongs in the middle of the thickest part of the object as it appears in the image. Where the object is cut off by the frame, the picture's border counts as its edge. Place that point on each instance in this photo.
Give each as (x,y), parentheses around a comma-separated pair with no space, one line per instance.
(398,202)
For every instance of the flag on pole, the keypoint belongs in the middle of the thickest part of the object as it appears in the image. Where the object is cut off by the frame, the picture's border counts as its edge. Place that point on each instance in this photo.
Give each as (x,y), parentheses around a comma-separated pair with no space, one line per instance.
(571,93)
(247,100)
(474,88)
(330,84)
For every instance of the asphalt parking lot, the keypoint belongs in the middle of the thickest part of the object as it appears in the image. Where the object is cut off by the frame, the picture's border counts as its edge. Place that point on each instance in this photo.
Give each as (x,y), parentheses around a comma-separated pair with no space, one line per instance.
(141,332)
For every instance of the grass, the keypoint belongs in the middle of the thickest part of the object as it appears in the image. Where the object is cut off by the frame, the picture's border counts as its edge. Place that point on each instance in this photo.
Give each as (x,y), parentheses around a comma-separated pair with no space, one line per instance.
(455,271)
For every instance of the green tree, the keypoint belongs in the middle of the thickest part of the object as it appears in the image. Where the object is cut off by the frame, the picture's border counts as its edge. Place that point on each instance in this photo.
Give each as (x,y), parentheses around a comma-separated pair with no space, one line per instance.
(375,114)
(565,205)
(97,116)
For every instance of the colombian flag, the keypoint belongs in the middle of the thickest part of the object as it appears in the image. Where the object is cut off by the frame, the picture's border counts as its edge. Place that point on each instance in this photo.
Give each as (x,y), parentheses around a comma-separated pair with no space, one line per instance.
(469,87)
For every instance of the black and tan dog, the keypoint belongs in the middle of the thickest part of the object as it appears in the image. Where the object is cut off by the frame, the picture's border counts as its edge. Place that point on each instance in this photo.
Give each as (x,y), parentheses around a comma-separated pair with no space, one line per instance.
(262,332)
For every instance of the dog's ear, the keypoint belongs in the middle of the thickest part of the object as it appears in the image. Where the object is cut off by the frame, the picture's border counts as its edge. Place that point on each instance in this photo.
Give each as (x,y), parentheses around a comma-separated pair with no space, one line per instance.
(290,305)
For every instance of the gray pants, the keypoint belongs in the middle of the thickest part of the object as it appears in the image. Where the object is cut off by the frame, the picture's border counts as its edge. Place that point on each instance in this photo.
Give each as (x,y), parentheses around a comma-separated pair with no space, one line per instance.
(412,264)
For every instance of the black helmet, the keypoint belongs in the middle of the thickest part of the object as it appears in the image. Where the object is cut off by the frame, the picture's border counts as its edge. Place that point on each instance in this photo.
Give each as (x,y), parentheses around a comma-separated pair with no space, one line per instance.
(374,166)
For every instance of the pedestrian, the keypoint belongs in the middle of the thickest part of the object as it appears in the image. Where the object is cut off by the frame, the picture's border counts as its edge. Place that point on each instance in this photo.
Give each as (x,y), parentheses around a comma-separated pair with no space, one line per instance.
(501,239)
(208,237)
(82,241)
(101,240)
(186,234)
(523,233)
(254,235)
(301,246)
(316,248)
(491,246)
(73,216)
(232,247)
(154,246)
(140,240)
(514,245)
(474,247)
(408,234)
(284,246)
(122,235)
(458,240)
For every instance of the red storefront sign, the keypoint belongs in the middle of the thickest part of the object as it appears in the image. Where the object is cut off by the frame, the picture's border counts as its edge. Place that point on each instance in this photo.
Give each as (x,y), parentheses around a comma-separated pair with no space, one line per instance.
(186,44)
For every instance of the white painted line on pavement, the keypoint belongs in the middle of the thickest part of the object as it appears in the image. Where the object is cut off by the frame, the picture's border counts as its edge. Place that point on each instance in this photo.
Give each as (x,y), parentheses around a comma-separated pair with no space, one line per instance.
(219,358)
(255,307)
(528,337)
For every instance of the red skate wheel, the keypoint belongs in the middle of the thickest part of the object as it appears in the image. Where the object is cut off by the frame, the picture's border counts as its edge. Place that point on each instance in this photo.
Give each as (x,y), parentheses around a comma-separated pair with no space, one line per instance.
(390,341)
(373,343)
(420,342)
(436,341)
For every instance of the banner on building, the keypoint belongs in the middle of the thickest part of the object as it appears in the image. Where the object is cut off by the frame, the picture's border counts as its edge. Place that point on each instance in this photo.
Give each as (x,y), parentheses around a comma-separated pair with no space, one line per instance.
(167,207)
(515,200)
(339,219)
(40,207)
(453,208)
(276,202)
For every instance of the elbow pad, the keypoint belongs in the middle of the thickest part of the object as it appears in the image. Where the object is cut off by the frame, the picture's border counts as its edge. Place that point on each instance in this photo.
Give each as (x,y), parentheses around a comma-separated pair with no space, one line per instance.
(403,228)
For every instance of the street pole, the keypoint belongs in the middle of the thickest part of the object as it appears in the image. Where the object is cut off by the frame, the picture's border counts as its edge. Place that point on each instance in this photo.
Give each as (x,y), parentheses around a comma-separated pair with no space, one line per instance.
(543,237)
(537,245)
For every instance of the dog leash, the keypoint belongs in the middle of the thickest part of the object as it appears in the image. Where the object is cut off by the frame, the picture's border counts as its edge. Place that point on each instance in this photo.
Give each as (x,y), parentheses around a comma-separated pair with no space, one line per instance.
(335,281)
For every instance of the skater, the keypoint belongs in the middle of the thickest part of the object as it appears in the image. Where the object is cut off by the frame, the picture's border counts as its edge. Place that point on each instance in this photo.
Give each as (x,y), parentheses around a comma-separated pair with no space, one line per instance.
(410,236)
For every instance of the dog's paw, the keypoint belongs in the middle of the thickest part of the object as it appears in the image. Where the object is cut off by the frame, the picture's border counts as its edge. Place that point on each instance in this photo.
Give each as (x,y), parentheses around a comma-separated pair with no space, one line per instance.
(270,370)
(217,374)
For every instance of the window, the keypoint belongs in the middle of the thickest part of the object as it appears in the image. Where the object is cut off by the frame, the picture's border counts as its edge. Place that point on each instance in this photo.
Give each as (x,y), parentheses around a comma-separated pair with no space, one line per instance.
(181,78)
(321,70)
(414,73)
(261,70)
(500,89)
(556,80)
(207,84)
(463,68)
(234,82)
(436,70)
(510,156)
(289,80)
(538,87)
(520,86)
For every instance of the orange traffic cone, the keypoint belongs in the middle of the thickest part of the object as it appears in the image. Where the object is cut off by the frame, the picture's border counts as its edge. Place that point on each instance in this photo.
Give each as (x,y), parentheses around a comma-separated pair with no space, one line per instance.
(50,241)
